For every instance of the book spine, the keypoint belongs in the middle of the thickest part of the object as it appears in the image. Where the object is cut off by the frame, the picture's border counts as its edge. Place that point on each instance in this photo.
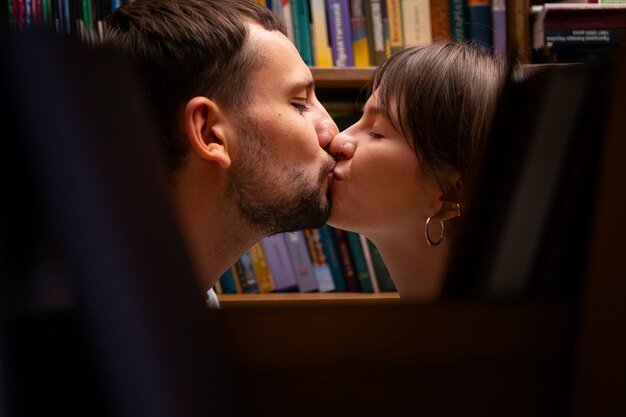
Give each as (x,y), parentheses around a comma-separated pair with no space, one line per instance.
(584,37)
(480,18)
(276,6)
(383,277)
(359,34)
(245,274)
(375,31)
(498,21)
(322,52)
(360,266)
(261,270)
(394,14)
(459,19)
(302,29)
(227,282)
(279,263)
(349,272)
(368,262)
(321,270)
(301,261)
(287,14)
(332,258)
(518,28)
(340,32)
(417,22)
(440,20)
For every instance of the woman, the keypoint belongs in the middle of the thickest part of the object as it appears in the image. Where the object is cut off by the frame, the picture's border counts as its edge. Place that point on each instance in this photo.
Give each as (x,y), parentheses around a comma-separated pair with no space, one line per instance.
(401,169)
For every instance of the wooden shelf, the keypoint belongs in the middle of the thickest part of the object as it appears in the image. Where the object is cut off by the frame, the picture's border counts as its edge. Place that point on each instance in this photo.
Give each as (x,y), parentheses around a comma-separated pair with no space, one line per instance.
(228,300)
(349,77)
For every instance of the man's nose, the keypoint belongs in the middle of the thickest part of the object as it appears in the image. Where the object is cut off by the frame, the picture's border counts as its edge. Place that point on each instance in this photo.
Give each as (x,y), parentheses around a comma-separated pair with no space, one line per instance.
(325,126)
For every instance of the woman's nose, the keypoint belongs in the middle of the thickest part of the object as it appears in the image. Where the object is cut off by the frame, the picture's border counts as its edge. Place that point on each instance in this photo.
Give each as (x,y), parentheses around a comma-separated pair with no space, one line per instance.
(342,147)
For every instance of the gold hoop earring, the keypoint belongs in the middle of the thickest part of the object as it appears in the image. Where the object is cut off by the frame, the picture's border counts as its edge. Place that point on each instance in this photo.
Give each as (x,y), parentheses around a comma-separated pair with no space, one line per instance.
(431,242)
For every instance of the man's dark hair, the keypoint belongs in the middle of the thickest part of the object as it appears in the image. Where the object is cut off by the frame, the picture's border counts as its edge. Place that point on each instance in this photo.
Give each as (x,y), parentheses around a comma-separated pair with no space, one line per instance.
(189,48)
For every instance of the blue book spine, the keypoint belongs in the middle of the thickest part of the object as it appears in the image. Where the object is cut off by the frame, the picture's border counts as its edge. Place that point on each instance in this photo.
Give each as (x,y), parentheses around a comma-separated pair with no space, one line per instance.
(227,281)
(360,265)
(480,17)
(332,258)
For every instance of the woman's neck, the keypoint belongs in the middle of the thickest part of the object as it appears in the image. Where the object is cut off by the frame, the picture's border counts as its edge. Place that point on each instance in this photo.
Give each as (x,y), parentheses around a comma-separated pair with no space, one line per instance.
(416,268)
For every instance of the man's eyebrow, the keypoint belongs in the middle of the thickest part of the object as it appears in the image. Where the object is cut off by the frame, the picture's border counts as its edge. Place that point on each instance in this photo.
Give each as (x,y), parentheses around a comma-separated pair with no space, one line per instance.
(302,85)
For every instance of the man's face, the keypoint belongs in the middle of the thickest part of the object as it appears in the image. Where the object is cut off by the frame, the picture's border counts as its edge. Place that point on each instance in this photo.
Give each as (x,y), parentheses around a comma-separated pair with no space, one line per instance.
(280,174)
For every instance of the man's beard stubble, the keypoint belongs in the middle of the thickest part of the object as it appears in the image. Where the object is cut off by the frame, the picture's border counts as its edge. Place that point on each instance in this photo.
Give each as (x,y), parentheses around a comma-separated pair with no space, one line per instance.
(290,203)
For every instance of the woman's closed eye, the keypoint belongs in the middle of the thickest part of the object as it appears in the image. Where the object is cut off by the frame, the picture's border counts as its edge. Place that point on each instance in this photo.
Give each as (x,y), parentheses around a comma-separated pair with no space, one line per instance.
(375,135)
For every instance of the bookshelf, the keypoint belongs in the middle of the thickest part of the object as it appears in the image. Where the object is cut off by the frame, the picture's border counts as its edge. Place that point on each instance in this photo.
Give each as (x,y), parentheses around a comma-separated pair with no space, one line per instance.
(371,354)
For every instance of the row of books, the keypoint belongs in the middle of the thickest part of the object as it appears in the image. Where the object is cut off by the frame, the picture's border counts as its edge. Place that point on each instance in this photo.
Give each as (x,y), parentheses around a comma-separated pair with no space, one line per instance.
(323,260)
(361,33)
(575,32)
(80,18)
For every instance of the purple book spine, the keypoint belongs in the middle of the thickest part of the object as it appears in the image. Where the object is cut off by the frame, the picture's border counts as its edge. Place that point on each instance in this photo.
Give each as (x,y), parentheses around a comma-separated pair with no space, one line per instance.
(340,32)
(279,263)
(301,261)
(498,21)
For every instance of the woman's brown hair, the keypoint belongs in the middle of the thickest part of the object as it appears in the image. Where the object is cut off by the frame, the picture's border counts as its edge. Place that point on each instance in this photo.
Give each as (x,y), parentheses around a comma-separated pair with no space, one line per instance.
(442,98)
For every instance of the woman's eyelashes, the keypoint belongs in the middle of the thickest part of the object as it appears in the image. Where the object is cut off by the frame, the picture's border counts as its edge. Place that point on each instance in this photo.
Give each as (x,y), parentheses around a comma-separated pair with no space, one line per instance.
(374,135)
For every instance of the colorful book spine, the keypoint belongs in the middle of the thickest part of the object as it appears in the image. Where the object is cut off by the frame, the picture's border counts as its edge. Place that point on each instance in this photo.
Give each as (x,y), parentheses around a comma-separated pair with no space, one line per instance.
(276,6)
(498,21)
(416,22)
(360,266)
(301,261)
(287,15)
(261,269)
(394,15)
(244,270)
(322,52)
(332,258)
(375,31)
(459,21)
(277,258)
(440,20)
(321,270)
(352,280)
(302,29)
(227,282)
(368,261)
(480,18)
(340,32)
(360,46)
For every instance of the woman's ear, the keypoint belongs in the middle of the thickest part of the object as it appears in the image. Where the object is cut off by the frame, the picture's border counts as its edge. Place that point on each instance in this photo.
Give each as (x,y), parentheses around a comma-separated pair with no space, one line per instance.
(454,200)
(206,128)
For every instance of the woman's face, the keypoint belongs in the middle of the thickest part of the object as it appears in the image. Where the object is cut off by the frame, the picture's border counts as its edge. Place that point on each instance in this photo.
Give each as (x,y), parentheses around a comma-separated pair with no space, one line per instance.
(378,185)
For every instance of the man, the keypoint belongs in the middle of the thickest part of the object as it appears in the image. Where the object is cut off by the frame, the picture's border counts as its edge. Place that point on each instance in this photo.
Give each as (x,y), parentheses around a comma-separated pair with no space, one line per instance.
(243,130)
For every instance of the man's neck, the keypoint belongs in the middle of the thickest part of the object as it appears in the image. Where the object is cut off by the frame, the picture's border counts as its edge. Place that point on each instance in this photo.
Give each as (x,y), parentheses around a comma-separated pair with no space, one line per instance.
(215,234)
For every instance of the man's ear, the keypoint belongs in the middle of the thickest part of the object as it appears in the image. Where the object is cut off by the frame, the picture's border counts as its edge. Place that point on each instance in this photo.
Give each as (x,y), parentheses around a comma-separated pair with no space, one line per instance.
(453,200)
(206,128)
